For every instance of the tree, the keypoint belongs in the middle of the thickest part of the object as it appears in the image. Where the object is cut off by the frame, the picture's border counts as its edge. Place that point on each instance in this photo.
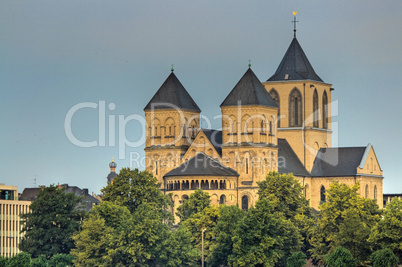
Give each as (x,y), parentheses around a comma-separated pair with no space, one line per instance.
(344,206)
(353,234)
(54,217)
(196,203)
(206,219)
(297,259)
(264,237)
(388,231)
(287,195)
(61,260)
(226,227)
(112,236)
(178,250)
(40,261)
(341,257)
(384,258)
(22,259)
(132,188)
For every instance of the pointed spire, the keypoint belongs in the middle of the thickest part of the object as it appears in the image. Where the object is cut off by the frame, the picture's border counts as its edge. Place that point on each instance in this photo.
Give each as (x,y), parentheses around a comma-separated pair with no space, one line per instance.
(249,91)
(172,95)
(295,66)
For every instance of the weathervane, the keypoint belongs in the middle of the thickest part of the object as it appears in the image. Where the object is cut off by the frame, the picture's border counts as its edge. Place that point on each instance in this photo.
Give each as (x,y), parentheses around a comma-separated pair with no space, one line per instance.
(172,69)
(294,21)
(249,63)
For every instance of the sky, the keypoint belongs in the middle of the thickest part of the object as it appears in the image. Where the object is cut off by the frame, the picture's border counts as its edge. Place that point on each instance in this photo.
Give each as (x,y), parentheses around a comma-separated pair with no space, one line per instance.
(96,62)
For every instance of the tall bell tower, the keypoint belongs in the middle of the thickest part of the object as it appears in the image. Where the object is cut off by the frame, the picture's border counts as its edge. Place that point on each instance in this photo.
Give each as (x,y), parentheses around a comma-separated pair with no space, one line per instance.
(172,121)
(304,101)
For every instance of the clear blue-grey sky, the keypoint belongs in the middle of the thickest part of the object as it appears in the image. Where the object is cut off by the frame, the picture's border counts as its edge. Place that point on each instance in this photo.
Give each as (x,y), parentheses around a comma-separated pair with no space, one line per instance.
(57,54)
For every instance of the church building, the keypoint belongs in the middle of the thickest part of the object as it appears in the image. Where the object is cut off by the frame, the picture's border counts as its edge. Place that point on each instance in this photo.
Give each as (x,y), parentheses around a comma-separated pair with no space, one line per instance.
(283,125)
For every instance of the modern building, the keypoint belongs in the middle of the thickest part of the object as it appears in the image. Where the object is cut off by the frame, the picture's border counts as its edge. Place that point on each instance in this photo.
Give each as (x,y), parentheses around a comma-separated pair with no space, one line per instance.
(10,223)
(283,124)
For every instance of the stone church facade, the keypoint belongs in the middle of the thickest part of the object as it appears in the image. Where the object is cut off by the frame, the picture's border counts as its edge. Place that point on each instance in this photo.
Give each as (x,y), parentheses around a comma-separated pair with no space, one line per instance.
(283,125)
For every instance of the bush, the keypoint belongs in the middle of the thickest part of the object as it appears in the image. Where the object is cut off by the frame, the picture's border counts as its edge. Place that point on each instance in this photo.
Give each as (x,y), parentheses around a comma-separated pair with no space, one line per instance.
(297,259)
(40,261)
(22,259)
(61,260)
(341,257)
(3,261)
(384,258)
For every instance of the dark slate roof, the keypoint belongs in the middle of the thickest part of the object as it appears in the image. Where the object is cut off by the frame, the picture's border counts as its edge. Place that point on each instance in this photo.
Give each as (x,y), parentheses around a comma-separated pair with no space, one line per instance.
(29,194)
(288,160)
(296,64)
(215,137)
(202,165)
(172,92)
(341,161)
(249,91)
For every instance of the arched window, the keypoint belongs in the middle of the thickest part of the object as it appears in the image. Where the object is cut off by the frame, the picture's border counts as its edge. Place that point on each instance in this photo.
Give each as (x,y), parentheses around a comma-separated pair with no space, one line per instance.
(305,190)
(156,168)
(184,197)
(375,192)
(246,165)
(222,200)
(275,96)
(295,108)
(322,194)
(366,193)
(325,110)
(244,203)
(315,109)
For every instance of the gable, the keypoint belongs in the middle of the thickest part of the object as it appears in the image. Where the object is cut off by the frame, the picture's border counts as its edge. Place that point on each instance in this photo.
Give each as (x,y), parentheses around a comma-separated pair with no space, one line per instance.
(207,142)
(369,163)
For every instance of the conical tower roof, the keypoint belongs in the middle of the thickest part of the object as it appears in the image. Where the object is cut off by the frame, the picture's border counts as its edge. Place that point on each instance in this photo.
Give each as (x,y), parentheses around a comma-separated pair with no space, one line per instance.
(172,94)
(249,91)
(295,66)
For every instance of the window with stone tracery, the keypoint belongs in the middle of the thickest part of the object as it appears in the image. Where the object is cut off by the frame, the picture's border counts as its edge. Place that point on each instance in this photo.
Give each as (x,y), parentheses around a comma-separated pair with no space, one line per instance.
(295,108)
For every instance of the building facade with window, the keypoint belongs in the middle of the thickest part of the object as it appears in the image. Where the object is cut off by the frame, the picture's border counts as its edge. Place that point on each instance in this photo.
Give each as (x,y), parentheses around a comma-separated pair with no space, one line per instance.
(10,222)
(283,125)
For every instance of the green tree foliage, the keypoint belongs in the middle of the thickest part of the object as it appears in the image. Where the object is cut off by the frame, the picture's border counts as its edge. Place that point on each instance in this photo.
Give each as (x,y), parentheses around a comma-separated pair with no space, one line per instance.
(384,258)
(178,250)
(22,259)
(132,188)
(341,257)
(297,259)
(112,236)
(226,227)
(40,261)
(344,220)
(287,196)
(61,260)
(207,219)
(388,231)
(264,237)
(286,193)
(3,261)
(54,217)
(196,203)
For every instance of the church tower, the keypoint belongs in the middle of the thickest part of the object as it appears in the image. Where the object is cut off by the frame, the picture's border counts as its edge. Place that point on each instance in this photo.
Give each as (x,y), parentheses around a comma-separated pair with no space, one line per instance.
(304,100)
(249,140)
(172,122)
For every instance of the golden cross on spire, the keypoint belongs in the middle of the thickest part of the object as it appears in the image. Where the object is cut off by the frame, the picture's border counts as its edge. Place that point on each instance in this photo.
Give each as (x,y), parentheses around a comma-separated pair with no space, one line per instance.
(294,21)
